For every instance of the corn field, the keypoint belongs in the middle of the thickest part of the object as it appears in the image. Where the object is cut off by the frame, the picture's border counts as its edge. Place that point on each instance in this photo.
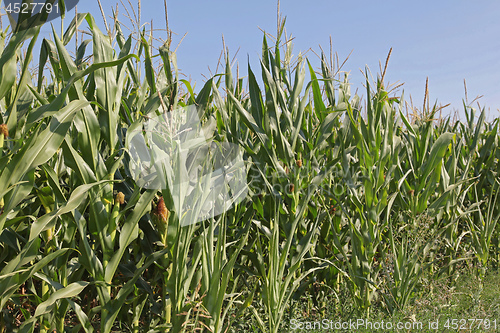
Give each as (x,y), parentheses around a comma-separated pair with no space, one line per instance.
(363,194)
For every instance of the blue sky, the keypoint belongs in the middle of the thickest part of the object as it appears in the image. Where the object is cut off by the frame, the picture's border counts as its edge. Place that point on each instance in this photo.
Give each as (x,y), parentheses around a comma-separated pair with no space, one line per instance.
(447,40)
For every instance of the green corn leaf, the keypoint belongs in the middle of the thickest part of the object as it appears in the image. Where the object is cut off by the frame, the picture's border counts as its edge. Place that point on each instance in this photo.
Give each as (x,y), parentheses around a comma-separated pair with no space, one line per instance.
(10,282)
(75,200)
(39,149)
(149,67)
(8,60)
(129,231)
(71,30)
(319,106)
(69,291)
(436,155)
(113,307)
(73,160)
(21,86)
(88,258)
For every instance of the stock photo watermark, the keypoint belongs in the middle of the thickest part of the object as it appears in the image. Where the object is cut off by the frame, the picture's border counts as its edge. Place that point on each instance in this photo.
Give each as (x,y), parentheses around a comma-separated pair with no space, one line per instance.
(25,14)
(174,151)
(415,325)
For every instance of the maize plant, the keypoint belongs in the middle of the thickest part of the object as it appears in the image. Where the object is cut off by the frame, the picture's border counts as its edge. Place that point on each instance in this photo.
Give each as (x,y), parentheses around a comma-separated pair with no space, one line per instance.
(111,218)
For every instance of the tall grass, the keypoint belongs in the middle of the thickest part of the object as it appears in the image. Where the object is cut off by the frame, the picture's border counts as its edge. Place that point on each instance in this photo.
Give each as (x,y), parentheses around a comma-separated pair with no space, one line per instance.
(344,192)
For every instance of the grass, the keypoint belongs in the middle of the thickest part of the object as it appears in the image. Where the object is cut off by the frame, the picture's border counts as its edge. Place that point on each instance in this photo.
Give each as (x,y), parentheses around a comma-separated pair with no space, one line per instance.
(354,208)
(441,301)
